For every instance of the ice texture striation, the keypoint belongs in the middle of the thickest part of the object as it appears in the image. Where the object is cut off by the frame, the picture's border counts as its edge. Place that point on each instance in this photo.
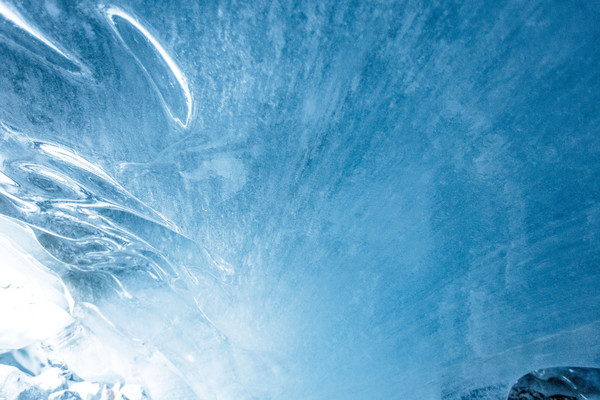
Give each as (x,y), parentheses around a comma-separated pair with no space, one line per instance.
(298,200)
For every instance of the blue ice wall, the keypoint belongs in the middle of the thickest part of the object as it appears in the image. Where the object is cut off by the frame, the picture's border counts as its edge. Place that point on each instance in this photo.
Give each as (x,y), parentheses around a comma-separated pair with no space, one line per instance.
(404,195)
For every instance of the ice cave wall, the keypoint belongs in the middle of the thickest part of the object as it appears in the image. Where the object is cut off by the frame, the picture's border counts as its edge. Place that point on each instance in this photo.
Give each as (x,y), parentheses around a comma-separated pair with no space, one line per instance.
(408,193)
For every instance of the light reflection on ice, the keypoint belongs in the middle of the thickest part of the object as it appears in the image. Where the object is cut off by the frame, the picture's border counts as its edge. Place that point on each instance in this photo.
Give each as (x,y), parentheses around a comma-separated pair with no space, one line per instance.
(64,59)
(114,15)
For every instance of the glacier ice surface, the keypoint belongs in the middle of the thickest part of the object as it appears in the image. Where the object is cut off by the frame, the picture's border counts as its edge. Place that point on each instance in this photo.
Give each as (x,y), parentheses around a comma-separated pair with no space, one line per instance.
(303,200)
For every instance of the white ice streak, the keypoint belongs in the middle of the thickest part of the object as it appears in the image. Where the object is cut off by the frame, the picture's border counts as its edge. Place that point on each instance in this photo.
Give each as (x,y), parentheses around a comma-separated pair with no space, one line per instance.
(112,12)
(13,16)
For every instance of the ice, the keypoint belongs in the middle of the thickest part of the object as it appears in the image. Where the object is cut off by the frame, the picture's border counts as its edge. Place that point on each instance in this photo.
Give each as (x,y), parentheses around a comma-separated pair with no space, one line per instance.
(179,105)
(558,383)
(50,380)
(64,395)
(54,383)
(34,304)
(16,384)
(86,390)
(298,200)
(132,392)
(29,37)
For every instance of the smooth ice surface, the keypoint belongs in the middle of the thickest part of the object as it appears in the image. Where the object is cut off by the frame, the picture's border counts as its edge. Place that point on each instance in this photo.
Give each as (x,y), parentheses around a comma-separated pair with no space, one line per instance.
(300,200)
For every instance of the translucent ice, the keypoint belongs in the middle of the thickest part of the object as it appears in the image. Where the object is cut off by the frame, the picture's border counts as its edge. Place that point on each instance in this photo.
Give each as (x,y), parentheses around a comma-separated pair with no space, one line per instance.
(563,383)
(302,199)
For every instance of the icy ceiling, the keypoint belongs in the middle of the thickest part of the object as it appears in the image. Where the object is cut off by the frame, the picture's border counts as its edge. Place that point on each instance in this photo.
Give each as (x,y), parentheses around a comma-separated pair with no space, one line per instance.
(300,200)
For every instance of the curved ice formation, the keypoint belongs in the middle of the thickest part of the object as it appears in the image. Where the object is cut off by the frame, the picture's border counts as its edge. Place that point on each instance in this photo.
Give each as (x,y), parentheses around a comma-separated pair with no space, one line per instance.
(110,250)
(15,27)
(161,69)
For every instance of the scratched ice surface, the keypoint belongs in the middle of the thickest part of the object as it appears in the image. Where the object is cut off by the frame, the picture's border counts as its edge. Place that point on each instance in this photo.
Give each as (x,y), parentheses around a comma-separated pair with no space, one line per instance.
(302,199)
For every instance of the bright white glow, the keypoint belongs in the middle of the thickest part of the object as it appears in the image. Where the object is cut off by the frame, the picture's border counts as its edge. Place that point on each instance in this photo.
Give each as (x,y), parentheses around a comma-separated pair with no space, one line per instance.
(111,12)
(5,180)
(75,160)
(21,204)
(33,302)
